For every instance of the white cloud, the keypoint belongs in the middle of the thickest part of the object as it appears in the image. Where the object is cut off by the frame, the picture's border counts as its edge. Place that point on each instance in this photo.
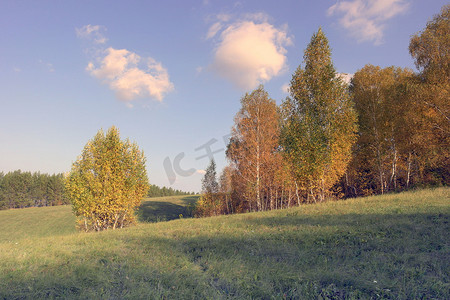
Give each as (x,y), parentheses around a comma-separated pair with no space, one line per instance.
(347,78)
(201,172)
(285,88)
(119,68)
(250,51)
(92,32)
(366,19)
(125,72)
(213,30)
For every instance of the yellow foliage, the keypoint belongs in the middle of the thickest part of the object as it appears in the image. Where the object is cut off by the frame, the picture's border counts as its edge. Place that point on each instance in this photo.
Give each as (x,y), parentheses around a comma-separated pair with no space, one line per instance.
(107,182)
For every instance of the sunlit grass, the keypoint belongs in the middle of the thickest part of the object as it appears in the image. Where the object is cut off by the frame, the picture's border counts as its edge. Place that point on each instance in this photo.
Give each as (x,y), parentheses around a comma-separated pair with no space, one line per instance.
(17,224)
(394,246)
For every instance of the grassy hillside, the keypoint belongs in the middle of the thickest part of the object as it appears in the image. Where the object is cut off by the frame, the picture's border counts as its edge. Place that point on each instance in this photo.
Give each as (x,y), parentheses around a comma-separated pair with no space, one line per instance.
(394,246)
(59,220)
(33,222)
(166,208)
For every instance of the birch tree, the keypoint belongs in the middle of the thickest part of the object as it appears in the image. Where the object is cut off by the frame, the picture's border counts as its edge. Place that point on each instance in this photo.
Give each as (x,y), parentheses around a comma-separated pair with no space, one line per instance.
(320,122)
(430,50)
(253,145)
(107,182)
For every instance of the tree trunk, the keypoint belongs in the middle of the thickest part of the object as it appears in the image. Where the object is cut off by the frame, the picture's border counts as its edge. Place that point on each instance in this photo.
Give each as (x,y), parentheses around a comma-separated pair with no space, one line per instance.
(408,174)
(393,180)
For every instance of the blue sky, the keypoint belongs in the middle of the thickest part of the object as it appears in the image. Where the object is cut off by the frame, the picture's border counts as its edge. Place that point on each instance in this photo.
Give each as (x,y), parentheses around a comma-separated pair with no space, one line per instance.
(169,74)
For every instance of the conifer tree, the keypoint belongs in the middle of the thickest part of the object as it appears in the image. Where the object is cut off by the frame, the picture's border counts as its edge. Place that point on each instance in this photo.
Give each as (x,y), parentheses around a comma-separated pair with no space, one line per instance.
(210,202)
(209,181)
(319,121)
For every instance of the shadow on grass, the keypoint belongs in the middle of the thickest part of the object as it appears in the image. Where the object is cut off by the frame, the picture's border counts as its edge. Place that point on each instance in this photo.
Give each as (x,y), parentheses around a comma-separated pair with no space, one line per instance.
(395,256)
(360,256)
(190,200)
(158,211)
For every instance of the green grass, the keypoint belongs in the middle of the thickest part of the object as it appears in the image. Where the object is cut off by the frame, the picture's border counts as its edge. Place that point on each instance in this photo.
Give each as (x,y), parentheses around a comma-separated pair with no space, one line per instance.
(33,222)
(386,247)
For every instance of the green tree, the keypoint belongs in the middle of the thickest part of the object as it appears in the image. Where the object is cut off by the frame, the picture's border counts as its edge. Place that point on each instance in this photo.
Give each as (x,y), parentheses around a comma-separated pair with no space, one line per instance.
(17,189)
(38,189)
(55,190)
(210,203)
(3,204)
(107,182)
(319,122)
(209,181)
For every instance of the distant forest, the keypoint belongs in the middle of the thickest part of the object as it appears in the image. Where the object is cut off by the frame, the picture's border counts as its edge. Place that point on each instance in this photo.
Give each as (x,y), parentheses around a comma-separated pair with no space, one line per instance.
(156,191)
(25,189)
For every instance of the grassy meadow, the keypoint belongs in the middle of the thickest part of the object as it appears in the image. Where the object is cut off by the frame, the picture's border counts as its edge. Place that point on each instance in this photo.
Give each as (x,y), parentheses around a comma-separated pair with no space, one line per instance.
(395,246)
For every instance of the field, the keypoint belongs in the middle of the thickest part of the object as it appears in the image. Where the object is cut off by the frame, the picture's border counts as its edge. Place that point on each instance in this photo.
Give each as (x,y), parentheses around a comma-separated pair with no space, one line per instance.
(393,247)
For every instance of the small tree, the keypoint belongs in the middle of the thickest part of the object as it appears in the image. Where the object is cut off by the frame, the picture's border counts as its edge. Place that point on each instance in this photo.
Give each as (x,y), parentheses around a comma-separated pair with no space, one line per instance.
(107,182)
(209,181)
(209,203)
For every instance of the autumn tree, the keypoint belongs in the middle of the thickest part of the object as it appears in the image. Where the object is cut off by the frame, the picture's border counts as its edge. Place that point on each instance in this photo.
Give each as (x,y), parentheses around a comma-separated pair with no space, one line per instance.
(226,189)
(252,148)
(319,122)
(386,151)
(430,50)
(107,182)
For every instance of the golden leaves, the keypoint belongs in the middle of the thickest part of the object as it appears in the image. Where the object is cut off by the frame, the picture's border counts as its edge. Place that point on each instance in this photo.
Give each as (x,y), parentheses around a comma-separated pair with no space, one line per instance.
(108,182)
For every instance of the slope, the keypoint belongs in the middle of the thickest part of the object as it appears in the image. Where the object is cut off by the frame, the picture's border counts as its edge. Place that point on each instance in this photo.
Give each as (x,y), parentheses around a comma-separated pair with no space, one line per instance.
(392,246)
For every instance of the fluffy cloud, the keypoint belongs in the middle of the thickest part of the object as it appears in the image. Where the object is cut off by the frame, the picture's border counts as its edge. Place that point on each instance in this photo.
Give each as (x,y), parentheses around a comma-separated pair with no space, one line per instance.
(365,19)
(119,69)
(249,52)
(92,32)
(125,72)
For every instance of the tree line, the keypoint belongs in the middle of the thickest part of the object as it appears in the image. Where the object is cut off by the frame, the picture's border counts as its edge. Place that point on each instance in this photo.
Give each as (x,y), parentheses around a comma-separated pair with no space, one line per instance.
(385,132)
(156,191)
(25,189)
